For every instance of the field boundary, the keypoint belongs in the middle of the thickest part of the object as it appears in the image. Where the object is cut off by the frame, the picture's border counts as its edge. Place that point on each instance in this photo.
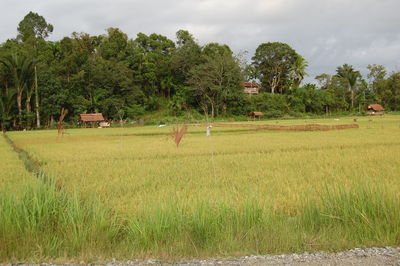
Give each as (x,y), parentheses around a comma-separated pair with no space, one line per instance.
(30,164)
(308,127)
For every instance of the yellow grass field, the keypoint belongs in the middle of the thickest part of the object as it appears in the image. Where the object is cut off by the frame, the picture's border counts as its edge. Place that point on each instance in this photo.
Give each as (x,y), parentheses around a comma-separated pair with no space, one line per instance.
(137,171)
(13,174)
(133,169)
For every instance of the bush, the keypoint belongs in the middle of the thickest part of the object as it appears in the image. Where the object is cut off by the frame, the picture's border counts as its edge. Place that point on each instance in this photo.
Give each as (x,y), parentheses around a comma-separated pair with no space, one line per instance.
(273,105)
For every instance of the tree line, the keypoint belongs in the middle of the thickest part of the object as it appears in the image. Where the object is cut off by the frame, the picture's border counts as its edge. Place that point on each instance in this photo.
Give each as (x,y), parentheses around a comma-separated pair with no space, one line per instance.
(126,78)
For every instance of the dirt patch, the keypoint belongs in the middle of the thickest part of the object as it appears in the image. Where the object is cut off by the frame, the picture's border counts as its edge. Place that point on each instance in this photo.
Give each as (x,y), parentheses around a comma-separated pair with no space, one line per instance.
(309,127)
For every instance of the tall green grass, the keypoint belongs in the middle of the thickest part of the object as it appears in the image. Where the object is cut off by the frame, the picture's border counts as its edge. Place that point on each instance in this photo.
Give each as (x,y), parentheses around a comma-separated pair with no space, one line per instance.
(359,217)
(46,222)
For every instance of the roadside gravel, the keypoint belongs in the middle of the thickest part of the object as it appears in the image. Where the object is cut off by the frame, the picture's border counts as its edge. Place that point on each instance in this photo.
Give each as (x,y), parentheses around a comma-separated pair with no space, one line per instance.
(358,256)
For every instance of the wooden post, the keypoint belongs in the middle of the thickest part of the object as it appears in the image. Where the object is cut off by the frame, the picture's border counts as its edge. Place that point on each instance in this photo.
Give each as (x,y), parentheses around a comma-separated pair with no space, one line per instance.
(60,122)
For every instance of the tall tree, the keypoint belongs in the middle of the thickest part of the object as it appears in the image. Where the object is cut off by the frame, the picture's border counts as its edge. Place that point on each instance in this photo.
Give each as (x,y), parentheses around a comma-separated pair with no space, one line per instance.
(391,95)
(377,80)
(350,76)
(33,27)
(298,70)
(6,97)
(152,63)
(32,31)
(218,80)
(113,46)
(274,61)
(186,56)
(324,80)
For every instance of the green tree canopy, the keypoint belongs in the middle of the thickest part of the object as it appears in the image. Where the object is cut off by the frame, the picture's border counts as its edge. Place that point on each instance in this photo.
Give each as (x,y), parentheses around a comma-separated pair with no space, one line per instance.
(217,82)
(274,61)
(33,26)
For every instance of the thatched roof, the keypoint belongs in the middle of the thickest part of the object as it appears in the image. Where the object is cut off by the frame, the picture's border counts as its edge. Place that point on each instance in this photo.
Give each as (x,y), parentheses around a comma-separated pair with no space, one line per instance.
(255,114)
(251,85)
(91,117)
(376,107)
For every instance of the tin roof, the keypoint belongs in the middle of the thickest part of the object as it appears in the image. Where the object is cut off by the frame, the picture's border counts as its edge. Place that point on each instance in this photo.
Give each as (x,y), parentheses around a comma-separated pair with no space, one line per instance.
(91,117)
(376,107)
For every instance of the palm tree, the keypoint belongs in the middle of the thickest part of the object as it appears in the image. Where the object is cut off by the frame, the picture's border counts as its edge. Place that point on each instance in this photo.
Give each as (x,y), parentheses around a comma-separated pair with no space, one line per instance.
(347,73)
(298,70)
(20,68)
(6,98)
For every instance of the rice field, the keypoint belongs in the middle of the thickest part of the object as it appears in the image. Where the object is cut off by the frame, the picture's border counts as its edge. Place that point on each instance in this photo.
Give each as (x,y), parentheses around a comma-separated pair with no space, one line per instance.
(13,174)
(240,191)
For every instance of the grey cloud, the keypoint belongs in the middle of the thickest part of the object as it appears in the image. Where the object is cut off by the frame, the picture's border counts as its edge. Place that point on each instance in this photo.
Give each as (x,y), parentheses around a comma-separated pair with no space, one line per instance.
(327,33)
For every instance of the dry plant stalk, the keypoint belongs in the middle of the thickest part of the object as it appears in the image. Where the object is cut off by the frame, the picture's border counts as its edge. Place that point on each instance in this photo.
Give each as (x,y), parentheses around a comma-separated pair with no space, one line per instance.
(178,133)
(60,122)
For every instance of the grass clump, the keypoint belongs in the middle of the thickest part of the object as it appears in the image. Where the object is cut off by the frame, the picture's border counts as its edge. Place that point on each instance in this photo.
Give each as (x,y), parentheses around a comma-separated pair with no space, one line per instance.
(344,218)
(361,216)
(45,221)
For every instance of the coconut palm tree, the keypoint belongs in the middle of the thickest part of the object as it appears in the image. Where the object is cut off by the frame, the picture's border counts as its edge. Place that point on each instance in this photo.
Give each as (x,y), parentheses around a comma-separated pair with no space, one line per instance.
(347,73)
(20,68)
(298,70)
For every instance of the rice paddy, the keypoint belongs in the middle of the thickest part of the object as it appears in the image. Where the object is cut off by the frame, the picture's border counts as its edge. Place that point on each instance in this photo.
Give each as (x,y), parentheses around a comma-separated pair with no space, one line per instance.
(239,191)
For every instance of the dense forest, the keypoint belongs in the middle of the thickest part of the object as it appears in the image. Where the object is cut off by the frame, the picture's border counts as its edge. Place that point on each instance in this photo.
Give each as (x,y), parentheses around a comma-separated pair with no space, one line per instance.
(126,79)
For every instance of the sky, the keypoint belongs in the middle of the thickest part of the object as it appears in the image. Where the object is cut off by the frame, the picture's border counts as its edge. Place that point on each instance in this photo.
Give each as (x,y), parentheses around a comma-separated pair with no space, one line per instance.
(327,33)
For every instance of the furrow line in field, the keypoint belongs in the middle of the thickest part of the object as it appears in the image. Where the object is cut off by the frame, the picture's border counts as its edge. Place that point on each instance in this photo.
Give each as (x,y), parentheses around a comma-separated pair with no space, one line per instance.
(30,164)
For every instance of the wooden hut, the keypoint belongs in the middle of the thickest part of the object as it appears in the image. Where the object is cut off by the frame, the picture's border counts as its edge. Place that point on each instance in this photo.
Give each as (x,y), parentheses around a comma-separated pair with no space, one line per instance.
(91,119)
(251,88)
(255,114)
(375,109)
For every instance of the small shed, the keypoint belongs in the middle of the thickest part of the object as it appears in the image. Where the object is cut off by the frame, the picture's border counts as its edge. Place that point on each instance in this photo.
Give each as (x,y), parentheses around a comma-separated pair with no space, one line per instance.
(255,114)
(375,109)
(91,119)
(251,88)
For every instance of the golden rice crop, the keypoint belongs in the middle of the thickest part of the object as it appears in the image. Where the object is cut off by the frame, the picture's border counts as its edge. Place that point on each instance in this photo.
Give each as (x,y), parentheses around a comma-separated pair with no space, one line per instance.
(124,192)
(13,174)
(134,169)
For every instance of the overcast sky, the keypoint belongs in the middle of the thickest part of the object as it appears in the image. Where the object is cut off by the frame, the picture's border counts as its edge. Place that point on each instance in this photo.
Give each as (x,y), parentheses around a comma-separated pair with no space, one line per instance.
(327,33)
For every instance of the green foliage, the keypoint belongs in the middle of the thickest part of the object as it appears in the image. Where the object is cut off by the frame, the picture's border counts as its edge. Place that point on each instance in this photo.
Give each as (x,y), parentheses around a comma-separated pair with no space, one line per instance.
(273,105)
(135,111)
(178,102)
(33,26)
(391,93)
(217,82)
(274,62)
(113,73)
(114,45)
(351,77)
